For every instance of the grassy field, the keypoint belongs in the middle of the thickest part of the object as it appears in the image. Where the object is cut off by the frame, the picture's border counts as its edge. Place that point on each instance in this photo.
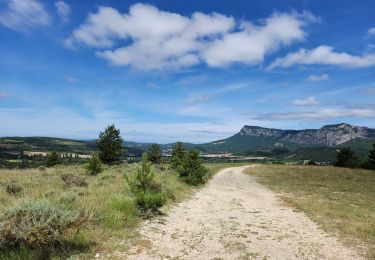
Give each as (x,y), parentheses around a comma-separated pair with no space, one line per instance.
(341,201)
(106,196)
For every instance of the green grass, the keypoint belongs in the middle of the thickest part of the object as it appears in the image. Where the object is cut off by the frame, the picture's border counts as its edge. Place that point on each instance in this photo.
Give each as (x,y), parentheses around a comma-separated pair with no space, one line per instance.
(341,201)
(107,195)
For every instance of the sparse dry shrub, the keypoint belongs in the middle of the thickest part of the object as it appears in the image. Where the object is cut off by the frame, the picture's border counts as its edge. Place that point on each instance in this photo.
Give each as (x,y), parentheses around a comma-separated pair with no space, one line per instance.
(71,180)
(39,224)
(13,188)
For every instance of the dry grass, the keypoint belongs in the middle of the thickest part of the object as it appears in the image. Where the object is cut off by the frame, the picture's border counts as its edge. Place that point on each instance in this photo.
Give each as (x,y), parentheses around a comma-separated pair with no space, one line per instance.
(106,195)
(341,201)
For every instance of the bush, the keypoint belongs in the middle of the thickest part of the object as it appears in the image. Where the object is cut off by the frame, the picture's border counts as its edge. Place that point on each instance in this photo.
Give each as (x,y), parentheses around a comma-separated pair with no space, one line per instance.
(71,180)
(38,224)
(94,165)
(13,188)
(191,169)
(52,159)
(148,194)
(150,201)
(312,162)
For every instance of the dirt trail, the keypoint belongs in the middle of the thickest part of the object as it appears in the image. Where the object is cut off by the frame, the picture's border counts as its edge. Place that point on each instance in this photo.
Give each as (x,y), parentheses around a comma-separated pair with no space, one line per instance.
(233,217)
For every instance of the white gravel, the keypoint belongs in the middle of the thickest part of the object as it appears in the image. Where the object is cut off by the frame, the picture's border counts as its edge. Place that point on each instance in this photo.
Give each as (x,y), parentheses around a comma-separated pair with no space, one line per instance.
(233,217)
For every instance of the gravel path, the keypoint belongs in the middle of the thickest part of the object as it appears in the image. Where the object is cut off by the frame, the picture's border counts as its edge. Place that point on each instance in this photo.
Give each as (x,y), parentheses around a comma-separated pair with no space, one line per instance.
(233,217)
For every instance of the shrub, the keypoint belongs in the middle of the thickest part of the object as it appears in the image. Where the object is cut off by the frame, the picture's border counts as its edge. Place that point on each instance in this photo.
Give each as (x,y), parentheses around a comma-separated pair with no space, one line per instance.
(178,152)
(150,201)
(148,194)
(38,224)
(191,169)
(52,159)
(346,158)
(13,188)
(312,162)
(155,153)
(94,165)
(71,180)
(110,145)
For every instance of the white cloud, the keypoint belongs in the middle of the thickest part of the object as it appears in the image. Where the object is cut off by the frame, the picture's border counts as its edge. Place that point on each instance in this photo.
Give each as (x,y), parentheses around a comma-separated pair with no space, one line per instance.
(322,114)
(310,101)
(72,80)
(63,10)
(150,39)
(198,99)
(324,55)
(3,95)
(22,15)
(321,77)
(371,31)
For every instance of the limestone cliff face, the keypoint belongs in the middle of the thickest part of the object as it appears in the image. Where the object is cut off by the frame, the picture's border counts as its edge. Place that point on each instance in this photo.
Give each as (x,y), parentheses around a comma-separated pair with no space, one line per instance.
(329,135)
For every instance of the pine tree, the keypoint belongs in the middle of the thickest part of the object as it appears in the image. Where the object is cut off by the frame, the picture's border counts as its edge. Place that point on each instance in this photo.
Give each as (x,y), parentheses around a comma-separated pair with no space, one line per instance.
(53,159)
(94,165)
(155,153)
(178,152)
(346,158)
(110,145)
(191,169)
(371,157)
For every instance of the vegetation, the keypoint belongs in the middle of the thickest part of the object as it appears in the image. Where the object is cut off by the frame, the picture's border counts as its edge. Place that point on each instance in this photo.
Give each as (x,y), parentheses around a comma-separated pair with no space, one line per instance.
(52,159)
(346,158)
(370,163)
(38,224)
(112,204)
(110,145)
(155,153)
(13,188)
(148,193)
(178,153)
(339,199)
(191,169)
(94,165)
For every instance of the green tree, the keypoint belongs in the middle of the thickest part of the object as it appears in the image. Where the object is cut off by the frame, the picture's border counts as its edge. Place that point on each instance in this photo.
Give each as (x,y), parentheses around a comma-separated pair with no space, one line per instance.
(346,158)
(191,169)
(53,159)
(155,153)
(110,145)
(148,194)
(178,153)
(94,165)
(370,163)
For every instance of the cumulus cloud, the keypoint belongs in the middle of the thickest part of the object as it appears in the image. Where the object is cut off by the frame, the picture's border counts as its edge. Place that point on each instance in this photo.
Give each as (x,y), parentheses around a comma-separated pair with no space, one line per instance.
(310,101)
(322,114)
(371,31)
(22,15)
(321,77)
(63,10)
(324,55)
(148,38)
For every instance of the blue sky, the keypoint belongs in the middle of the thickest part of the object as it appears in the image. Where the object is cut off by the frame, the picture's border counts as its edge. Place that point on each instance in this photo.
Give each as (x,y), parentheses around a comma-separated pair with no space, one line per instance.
(192,70)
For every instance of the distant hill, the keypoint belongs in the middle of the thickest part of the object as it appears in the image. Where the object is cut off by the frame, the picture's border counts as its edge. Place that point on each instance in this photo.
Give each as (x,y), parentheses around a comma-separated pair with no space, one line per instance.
(315,144)
(318,144)
(12,145)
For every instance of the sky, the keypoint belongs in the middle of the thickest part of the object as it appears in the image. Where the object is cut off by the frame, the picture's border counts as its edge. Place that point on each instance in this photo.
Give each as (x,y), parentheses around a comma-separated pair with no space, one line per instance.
(187,70)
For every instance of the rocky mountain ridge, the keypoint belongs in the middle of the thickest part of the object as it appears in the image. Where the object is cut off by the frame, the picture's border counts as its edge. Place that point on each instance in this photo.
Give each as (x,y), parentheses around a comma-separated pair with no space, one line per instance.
(329,135)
